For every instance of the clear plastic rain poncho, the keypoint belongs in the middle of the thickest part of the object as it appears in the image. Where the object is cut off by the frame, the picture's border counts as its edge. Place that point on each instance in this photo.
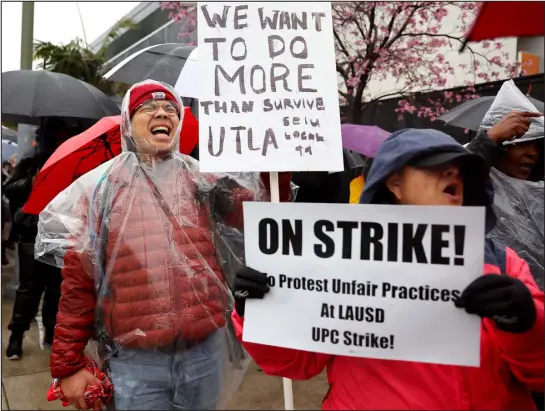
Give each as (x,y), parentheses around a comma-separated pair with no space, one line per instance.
(518,204)
(161,242)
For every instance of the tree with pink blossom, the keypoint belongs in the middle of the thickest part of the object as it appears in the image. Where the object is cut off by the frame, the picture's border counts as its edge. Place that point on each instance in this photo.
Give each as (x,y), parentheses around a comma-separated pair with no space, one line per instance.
(407,43)
(402,43)
(185,14)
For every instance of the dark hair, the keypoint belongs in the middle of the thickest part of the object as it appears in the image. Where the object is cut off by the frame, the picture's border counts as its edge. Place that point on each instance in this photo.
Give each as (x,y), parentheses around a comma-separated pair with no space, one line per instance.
(27,167)
(537,172)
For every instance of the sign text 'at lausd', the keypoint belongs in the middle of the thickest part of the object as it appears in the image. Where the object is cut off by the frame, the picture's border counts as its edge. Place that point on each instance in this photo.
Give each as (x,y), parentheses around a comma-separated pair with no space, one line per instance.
(374,281)
(273,103)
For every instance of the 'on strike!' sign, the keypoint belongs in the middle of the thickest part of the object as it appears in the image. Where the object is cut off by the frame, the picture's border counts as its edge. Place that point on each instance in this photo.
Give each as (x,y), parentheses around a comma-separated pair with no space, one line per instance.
(268,88)
(366,281)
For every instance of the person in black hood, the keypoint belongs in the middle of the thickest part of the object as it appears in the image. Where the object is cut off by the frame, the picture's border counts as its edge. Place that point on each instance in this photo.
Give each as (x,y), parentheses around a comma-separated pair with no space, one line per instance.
(35,278)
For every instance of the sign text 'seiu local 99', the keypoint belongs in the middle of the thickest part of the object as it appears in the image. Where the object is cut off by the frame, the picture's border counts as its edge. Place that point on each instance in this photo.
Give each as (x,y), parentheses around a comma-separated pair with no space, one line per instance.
(268,88)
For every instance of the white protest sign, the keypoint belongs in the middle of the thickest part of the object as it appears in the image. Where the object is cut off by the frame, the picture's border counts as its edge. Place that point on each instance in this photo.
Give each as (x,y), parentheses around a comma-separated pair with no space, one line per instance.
(268,88)
(373,281)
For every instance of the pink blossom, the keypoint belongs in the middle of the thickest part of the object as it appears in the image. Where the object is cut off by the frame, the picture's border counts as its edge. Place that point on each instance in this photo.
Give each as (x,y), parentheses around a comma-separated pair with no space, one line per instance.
(439,14)
(412,43)
(353,81)
(437,42)
(495,60)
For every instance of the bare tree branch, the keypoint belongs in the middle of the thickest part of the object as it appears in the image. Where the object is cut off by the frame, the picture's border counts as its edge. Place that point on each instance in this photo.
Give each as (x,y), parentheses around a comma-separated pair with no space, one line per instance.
(460,39)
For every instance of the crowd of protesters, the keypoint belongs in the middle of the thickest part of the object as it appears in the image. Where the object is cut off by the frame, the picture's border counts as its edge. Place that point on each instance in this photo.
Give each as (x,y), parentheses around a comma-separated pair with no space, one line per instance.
(130,261)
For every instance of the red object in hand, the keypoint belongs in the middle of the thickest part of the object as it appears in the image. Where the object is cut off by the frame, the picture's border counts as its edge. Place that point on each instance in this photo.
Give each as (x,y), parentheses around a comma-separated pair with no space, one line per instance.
(103,391)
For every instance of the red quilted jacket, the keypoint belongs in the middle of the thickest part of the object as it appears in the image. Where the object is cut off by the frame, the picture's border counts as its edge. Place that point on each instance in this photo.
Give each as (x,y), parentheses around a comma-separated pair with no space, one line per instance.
(155,295)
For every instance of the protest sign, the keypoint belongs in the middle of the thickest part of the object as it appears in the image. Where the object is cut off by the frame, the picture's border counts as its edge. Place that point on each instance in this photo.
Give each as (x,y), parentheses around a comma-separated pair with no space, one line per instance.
(373,281)
(268,88)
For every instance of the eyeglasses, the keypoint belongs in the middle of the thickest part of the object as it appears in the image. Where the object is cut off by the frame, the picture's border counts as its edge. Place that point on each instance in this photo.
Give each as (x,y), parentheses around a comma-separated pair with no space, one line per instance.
(151,107)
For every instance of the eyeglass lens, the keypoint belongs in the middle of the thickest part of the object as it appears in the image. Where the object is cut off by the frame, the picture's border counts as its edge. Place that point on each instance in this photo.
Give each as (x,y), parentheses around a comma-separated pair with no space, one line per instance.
(151,107)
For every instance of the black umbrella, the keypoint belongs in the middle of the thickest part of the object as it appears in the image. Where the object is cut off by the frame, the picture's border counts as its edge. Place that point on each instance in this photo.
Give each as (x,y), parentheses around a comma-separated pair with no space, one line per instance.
(161,62)
(8,134)
(28,96)
(353,159)
(326,187)
(471,113)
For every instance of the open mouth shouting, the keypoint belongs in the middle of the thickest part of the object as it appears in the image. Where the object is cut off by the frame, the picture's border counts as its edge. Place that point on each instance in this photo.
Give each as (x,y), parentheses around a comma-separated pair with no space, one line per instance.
(526,167)
(161,132)
(454,192)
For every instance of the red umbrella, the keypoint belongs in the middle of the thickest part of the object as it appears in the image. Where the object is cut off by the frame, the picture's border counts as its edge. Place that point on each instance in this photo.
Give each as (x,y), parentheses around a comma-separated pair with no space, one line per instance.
(189,137)
(103,390)
(88,150)
(508,19)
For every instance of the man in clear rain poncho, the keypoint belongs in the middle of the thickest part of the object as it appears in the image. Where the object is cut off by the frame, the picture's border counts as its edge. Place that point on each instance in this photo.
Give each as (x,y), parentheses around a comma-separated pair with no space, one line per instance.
(138,240)
(511,139)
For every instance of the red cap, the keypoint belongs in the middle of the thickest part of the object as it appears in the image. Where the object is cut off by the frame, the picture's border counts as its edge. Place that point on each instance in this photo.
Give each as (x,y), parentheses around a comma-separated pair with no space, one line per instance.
(148,92)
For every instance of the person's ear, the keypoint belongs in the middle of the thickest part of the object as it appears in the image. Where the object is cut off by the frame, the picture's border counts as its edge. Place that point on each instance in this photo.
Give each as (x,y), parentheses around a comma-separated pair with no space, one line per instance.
(393,183)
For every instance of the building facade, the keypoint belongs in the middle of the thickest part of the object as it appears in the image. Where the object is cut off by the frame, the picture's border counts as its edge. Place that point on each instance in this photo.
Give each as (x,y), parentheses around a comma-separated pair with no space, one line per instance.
(154,27)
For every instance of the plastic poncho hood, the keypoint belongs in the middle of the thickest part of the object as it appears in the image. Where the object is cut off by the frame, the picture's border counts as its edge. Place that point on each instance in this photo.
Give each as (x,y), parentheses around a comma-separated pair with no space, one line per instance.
(140,140)
(519,204)
(403,146)
(148,247)
(509,99)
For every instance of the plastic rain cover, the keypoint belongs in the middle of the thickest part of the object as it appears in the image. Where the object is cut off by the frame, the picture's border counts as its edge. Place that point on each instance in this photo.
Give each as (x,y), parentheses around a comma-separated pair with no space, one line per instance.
(162,243)
(509,99)
(518,204)
(519,207)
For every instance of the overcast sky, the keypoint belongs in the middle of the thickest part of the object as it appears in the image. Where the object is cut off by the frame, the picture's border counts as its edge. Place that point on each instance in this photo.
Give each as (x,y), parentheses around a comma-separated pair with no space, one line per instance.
(57,22)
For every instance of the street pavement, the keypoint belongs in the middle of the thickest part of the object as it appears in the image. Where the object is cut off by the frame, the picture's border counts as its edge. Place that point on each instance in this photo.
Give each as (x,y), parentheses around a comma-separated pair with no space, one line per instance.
(25,382)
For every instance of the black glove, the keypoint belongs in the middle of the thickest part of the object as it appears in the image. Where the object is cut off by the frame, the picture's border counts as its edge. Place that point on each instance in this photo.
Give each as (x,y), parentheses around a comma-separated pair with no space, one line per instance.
(504,299)
(248,283)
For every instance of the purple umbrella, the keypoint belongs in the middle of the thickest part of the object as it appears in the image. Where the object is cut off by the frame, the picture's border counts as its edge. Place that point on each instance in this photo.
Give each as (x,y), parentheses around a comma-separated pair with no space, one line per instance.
(364,140)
